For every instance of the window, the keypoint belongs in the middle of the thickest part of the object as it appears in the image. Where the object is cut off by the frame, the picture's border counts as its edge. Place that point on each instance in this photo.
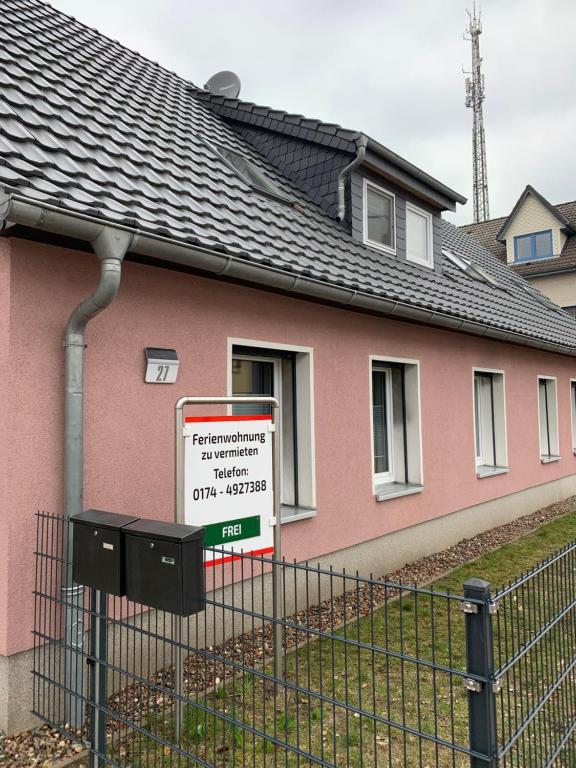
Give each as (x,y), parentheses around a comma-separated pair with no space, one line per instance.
(248,172)
(397,466)
(537,245)
(419,248)
(548,419)
(469,267)
(286,374)
(379,217)
(489,423)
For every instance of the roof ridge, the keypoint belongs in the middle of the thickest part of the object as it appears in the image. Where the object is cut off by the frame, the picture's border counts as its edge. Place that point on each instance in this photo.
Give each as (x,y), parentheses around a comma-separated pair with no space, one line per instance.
(567,202)
(324,131)
(502,218)
(221,97)
(479,223)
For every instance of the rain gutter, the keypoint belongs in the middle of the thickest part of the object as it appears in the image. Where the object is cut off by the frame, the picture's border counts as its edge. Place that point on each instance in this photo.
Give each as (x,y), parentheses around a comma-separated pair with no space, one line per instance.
(50,218)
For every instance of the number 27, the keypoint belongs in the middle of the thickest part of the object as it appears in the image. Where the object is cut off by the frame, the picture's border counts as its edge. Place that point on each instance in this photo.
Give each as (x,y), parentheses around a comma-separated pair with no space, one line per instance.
(162,372)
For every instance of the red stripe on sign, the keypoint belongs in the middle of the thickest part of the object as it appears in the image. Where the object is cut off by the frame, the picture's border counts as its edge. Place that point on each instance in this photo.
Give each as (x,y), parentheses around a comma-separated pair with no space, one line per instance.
(256,417)
(232,558)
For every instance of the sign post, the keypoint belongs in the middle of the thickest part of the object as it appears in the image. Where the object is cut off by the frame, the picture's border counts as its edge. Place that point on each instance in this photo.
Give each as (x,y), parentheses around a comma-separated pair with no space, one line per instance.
(227,479)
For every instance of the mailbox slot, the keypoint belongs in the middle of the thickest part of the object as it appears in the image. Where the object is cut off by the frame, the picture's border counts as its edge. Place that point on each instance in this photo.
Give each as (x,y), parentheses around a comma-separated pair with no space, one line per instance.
(165,566)
(98,555)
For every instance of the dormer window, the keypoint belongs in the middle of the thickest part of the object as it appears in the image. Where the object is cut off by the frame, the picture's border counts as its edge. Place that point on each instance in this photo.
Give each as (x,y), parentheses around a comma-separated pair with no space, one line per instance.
(379,217)
(419,236)
(537,245)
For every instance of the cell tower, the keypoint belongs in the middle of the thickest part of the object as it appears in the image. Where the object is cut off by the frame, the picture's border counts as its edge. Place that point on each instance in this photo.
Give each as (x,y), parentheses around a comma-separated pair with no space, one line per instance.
(474,99)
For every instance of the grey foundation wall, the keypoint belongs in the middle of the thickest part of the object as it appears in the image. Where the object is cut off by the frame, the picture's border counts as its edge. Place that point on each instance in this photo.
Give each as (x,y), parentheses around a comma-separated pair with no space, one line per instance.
(377,556)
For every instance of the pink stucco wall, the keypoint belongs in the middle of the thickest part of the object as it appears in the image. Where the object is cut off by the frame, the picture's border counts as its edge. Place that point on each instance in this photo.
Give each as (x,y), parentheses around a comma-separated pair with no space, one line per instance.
(129,425)
(5,413)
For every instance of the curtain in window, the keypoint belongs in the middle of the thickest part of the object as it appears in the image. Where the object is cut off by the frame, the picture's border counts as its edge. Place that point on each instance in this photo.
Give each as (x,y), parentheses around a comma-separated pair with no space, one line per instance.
(252,378)
(380,218)
(380,421)
(485,434)
(545,443)
(417,245)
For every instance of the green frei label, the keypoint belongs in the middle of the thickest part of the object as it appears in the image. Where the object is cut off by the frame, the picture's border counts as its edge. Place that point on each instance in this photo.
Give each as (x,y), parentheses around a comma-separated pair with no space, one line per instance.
(231,530)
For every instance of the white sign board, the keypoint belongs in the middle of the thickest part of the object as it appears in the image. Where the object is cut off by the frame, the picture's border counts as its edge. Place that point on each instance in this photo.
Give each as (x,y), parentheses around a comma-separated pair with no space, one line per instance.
(161,372)
(228,482)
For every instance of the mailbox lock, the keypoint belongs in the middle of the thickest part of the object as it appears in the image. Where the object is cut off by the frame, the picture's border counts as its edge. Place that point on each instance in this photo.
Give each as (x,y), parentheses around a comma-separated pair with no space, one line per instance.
(95,533)
(151,545)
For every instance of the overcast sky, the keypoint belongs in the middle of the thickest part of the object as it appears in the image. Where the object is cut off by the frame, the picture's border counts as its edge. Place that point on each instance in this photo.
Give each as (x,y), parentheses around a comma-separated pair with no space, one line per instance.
(390,68)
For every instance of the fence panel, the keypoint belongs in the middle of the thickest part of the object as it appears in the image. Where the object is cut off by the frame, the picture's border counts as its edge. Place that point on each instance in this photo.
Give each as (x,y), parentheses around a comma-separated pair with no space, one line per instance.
(535,646)
(373,674)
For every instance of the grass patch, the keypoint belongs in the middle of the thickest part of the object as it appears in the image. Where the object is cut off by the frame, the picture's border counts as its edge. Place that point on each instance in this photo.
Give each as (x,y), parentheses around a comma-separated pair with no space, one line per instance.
(350,681)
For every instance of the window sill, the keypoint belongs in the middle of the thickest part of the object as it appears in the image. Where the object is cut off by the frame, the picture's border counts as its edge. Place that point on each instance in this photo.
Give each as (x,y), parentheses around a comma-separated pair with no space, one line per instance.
(420,263)
(394,490)
(486,471)
(549,459)
(380,247)
(532,259)
(289,514)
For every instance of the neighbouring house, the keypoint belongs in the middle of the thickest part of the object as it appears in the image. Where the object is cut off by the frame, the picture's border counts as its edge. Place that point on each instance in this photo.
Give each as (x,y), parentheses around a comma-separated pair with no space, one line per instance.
(426,388)
(538,241)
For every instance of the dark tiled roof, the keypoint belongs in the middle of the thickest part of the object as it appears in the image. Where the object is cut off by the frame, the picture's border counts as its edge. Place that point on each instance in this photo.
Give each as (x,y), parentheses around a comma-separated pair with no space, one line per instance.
(93,128)
(486,231)
(328,135)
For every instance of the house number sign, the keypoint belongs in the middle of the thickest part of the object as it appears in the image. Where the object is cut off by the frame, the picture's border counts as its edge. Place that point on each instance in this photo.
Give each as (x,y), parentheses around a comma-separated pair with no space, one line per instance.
(161,366)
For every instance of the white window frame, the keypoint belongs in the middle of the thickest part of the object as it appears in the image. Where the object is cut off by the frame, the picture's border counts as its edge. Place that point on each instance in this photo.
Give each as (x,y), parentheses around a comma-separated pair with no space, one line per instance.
(500,438)
(305,416)
(429,261)
(573,412)
(546,458)
(384,477)
(384,488)
(373,243)
(277,388)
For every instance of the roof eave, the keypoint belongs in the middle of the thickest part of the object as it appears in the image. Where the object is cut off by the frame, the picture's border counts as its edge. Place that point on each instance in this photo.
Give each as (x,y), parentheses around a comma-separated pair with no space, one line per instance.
(50,218)
(387,154)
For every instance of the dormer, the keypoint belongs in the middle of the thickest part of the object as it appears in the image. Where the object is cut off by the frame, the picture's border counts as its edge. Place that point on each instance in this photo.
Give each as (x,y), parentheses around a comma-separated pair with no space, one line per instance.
(392,218)
(535,230)
(381,199)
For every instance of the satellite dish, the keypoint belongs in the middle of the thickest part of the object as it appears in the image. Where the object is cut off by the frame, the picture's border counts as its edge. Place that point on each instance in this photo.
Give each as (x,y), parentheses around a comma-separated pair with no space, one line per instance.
(224,84)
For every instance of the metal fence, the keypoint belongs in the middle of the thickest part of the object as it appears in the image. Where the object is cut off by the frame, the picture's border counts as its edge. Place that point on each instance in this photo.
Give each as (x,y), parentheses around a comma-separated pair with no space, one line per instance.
(535,659)
(373,673)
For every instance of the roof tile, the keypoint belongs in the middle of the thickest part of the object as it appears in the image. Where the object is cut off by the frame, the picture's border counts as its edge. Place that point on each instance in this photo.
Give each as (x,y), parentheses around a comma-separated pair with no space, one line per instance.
(94,128)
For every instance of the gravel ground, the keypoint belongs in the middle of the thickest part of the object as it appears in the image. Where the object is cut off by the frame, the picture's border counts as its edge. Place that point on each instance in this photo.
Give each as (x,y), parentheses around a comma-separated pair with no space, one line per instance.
(45,747)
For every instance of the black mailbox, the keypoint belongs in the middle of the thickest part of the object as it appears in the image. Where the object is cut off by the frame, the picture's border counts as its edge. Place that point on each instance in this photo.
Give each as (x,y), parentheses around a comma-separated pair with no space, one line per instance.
(165,566)
(98,557)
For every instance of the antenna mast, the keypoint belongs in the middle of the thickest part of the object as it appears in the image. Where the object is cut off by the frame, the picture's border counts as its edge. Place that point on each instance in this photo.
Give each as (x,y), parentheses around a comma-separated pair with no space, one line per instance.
(474,99)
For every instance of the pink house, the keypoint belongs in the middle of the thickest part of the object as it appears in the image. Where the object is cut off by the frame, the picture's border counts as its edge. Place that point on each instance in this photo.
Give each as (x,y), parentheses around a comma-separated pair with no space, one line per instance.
(427,392)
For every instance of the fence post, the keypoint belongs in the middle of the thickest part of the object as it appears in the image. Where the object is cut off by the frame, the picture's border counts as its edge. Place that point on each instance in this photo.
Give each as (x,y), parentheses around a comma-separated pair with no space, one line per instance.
(99,654)
(480,662)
